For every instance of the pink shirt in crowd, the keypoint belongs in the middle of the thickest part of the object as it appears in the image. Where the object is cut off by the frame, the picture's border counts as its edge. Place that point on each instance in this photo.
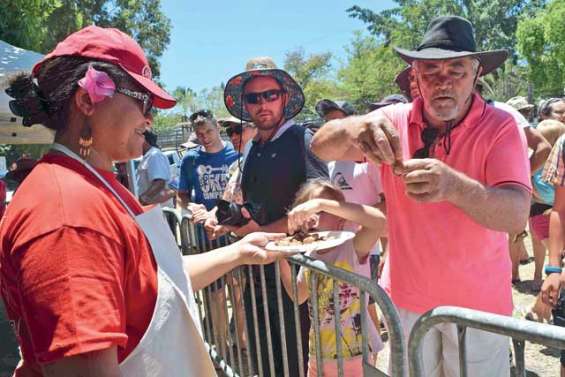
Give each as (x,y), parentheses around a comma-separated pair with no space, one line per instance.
(438,254)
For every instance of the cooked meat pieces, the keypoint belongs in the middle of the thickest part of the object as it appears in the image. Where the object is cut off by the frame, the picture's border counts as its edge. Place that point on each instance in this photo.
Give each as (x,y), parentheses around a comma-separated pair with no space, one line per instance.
(300,239)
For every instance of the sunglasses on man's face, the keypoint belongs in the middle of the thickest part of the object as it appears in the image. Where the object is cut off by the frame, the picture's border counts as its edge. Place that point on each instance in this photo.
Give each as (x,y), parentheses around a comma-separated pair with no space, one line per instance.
(266,96)
(144,98)
(237,129)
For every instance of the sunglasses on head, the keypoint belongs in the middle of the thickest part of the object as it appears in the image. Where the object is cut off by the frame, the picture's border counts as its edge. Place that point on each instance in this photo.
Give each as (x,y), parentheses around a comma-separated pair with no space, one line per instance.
(428,136)
(237,129)
(267,96)
(202,113)
(144,98)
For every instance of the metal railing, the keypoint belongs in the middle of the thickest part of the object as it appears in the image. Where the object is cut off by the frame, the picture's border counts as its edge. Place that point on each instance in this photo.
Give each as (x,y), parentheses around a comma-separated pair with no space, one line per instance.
(217,304)
(519,330)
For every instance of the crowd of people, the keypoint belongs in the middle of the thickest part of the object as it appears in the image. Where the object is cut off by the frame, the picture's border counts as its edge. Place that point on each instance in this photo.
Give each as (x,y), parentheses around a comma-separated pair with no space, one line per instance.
(438,184)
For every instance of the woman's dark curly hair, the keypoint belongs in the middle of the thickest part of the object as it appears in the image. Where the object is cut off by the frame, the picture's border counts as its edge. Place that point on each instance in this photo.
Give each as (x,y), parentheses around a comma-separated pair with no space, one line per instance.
(46,98)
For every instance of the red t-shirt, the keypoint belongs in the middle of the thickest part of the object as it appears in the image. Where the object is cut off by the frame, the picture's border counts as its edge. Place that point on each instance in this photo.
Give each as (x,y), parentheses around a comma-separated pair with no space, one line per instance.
(2,198)
(77,273)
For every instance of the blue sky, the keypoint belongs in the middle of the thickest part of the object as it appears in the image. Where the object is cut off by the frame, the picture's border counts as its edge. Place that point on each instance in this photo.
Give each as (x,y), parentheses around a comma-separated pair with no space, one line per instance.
(211,40)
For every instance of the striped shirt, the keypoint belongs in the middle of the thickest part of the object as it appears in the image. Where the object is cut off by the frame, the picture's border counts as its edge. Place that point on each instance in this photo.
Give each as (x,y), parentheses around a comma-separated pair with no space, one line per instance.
(554,169)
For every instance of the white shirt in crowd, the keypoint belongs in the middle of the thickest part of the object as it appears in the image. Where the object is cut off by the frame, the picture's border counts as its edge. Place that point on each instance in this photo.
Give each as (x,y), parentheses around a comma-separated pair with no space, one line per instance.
(359,182)
(154,165)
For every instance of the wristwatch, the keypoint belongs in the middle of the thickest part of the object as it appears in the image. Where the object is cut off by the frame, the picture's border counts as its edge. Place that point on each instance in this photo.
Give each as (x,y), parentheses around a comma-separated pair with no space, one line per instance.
(552,270)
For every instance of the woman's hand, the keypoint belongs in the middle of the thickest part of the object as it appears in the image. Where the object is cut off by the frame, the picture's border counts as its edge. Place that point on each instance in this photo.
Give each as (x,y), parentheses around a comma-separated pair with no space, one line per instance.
(550,289)
(213,230)
(304,216)
(251,248)
(199,212)
(541,310)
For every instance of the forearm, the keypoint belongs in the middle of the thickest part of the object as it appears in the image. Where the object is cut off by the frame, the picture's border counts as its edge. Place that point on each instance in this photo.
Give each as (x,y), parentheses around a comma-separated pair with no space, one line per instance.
(555,244)
(278,226)
(538,159)
(367,216)
(539,145)
(103,363)
(155,188)
(205,268)
(504,208)
(333,141)
(183,198)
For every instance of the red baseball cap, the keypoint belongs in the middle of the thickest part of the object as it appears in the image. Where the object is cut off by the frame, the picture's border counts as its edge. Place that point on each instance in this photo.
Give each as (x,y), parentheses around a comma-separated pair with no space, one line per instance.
(112,46)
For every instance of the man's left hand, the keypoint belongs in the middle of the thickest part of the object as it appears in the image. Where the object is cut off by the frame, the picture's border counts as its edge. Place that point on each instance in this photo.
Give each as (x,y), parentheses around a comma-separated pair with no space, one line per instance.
(429,180)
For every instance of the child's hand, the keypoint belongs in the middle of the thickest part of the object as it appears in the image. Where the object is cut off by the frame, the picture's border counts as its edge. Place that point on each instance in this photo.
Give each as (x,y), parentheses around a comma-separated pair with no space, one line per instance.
(304,216)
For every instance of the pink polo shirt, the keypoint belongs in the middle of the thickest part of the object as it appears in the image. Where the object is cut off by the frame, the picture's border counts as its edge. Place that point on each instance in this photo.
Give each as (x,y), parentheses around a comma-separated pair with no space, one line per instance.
(438,254)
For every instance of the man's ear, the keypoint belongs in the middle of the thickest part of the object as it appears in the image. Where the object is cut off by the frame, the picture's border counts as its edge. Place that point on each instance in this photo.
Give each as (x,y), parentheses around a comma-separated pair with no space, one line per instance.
(83,102)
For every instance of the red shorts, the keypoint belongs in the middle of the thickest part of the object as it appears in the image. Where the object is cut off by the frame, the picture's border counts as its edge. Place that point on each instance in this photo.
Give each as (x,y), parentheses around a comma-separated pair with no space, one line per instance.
(539,225)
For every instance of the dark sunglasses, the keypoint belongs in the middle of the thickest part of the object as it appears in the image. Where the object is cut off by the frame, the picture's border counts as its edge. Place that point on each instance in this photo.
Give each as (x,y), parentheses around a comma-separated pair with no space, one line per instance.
(267,96)
(237,129)
(144,98)
(428,136)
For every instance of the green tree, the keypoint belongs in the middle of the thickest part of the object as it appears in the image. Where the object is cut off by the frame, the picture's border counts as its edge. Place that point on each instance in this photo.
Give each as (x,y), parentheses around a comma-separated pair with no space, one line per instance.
(541,41)
(40,24)
(213,99)
(166,120)
(369,72)
(22,22)
(495,21)
(186,100)
(313,74)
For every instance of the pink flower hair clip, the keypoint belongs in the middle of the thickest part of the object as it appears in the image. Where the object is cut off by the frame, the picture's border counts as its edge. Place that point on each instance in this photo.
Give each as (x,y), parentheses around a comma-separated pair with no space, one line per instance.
(98,84)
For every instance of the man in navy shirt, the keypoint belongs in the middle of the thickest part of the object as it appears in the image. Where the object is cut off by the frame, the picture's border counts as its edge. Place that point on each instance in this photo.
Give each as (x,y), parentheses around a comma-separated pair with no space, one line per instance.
(279,162)
(205,169)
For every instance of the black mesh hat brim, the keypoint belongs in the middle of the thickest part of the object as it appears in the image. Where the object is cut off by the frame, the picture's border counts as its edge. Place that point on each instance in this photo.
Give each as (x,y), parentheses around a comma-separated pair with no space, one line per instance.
(233,92)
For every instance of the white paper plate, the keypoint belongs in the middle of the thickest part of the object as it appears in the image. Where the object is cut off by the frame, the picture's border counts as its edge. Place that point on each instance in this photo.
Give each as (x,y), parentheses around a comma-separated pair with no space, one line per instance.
(336,238)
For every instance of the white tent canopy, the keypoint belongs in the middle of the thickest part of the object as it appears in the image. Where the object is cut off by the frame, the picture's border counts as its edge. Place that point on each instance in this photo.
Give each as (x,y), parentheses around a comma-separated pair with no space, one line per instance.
(12,60)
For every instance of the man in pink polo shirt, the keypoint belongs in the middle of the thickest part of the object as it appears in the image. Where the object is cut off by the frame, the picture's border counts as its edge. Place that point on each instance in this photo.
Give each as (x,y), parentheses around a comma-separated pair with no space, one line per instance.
(456,177)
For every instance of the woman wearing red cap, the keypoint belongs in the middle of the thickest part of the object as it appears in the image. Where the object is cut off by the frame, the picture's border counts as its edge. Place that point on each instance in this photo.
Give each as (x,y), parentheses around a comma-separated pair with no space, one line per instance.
(93,285)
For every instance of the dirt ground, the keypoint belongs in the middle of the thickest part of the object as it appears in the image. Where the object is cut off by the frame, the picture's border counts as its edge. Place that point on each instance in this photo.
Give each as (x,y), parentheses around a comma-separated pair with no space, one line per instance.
(540,361)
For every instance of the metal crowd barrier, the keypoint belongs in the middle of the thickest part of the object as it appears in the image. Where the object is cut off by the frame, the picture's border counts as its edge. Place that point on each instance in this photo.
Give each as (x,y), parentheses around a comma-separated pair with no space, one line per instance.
(216,304)
(518,330)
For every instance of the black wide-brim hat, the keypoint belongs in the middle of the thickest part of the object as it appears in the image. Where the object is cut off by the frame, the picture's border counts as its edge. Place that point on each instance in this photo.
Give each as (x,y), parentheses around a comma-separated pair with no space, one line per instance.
(258,67)
(451,37)
(403,80)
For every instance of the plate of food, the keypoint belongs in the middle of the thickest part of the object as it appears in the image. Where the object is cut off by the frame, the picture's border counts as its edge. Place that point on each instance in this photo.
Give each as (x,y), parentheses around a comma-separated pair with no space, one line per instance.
(303,242)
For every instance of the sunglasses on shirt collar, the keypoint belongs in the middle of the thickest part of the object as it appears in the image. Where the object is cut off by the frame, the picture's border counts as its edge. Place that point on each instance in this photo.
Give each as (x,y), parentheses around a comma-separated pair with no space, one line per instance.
(266,96)
(428,136)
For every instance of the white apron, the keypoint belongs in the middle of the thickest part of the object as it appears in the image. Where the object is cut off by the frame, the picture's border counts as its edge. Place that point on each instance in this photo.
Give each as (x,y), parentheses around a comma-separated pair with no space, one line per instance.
(172,344)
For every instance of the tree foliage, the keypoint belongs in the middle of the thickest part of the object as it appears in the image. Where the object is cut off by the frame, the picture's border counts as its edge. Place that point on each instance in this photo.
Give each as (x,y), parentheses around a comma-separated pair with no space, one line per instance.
(495,21)
(541,40)
(39,25)
(370,70)
(312,73)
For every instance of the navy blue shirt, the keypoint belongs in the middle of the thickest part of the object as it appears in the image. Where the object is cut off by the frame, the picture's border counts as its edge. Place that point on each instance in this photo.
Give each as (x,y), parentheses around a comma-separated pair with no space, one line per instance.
(275,170)
(206,173)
